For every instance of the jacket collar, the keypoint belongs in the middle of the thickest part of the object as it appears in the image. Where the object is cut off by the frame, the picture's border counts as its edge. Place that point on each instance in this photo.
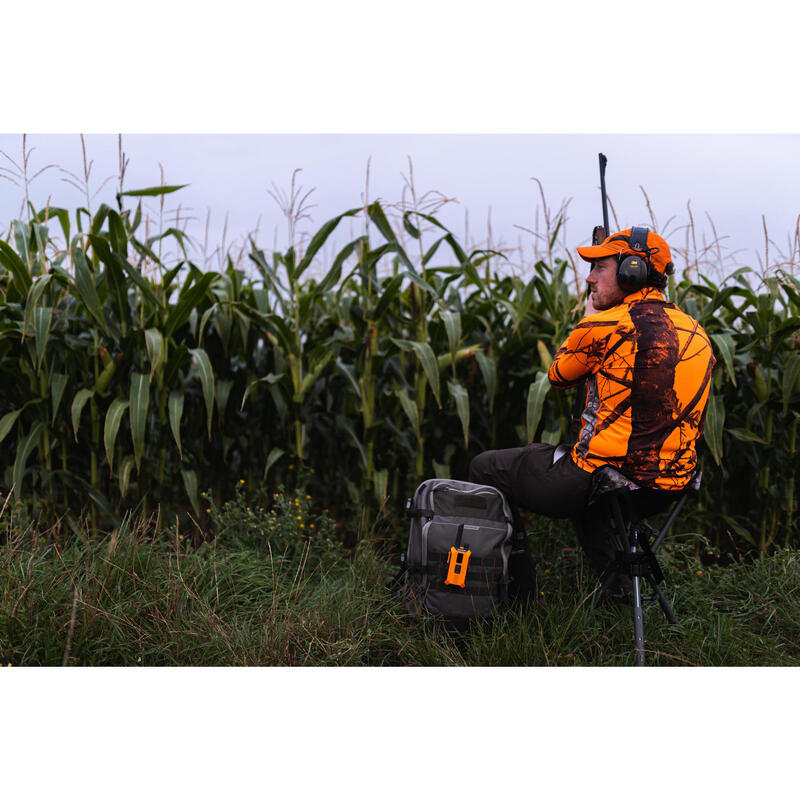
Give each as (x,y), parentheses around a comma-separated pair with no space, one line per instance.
(648,293)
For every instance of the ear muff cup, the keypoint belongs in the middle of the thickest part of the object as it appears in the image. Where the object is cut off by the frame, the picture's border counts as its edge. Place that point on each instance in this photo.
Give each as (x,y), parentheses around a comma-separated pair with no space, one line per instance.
(632,273)
(633,270)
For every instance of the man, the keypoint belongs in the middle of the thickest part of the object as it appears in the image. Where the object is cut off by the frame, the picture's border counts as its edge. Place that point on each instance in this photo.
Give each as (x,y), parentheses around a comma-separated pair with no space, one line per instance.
(648,366)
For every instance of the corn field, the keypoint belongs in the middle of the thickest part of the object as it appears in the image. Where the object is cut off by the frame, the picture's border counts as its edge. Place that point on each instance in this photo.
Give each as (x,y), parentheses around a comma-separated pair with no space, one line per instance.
(132,383)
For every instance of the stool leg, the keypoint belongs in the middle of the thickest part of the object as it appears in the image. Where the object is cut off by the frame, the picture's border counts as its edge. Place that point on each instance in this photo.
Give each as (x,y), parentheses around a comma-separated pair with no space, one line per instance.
(664,603)
(638,621)
(638,613)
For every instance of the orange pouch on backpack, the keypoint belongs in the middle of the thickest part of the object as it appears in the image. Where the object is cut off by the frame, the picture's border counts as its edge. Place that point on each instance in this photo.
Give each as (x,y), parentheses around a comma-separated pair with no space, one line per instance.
(457,559)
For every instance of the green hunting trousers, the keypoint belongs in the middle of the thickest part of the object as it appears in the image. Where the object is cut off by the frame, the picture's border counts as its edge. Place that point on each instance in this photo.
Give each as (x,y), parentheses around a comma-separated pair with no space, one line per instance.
(530,480)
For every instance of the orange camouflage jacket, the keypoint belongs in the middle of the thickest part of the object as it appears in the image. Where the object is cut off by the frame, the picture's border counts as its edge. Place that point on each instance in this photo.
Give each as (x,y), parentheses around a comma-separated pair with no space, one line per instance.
(649,373)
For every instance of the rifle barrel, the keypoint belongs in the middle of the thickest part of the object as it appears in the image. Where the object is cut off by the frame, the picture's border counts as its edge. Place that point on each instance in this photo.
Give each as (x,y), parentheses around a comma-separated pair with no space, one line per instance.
(603,161)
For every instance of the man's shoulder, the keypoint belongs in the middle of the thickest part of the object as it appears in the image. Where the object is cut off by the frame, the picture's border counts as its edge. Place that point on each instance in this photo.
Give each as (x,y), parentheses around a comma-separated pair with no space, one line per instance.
(685,320)
(676,314)
(606,317)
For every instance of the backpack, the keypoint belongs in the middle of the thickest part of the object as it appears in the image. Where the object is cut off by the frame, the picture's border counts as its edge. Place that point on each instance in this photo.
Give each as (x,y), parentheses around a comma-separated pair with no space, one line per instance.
(460,547)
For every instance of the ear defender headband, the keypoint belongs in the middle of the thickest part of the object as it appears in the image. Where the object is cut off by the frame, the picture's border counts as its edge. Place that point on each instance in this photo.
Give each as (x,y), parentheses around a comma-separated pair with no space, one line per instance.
(633,271)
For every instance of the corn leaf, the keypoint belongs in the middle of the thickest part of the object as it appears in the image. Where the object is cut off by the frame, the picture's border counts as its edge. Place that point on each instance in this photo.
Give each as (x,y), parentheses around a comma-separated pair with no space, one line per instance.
(319,239)
(113,419)
(273,456)
(77,407)
(344,424)
(314,372)
(375,213)
(175,413)
(42,319)
(189,299)
(460,395)
(270,271)
(745,435)
(423,284)
(154,343)
(738,528)
(60,213)
(428,361)
(7,422)
(411,229)
(115,280)
(206,374)
(58,383)
(525,303)
(271,378)
(441,470)
(38,286)
(85,286)
(791,375)
(380,482)
(125,470)
(537,392)
(390,290)
(24,450)
(222,392)
(119,267)
(411,411)
(116,234)
(726,346)
(190,485)
(153,191)
(488,370)
(712,433)
(22,237)
(452,324)
(139,404)
(16,266)
(449,238)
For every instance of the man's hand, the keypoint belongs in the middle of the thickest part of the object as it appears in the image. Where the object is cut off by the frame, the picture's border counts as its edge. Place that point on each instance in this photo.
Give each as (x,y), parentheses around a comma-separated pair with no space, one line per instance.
(590,309)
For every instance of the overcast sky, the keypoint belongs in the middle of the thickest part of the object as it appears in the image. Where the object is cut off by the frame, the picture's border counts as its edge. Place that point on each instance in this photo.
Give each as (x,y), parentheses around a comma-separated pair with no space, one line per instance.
(488,178)
(232,102)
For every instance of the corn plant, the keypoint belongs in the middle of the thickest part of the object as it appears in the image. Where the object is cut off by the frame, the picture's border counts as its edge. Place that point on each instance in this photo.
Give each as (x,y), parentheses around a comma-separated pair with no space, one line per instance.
(130,382)
(751,426)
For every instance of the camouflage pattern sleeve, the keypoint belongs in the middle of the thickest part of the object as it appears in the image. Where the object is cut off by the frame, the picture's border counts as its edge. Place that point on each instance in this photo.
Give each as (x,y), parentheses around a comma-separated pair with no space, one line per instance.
(583,351)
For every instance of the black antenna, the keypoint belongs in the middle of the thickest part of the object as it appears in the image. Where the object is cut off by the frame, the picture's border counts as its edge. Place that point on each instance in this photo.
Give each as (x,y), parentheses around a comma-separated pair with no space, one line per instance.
(603,162)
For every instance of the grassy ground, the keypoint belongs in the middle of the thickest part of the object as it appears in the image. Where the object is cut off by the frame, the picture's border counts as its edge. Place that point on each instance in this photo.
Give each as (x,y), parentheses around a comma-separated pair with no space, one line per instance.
(263,593)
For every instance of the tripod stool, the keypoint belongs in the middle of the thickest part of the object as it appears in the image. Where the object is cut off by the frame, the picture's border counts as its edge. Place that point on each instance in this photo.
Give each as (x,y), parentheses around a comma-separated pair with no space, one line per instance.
(625,505)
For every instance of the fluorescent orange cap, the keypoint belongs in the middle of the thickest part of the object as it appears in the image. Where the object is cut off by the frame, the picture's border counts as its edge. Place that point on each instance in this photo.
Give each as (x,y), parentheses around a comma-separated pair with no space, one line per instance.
(619,242)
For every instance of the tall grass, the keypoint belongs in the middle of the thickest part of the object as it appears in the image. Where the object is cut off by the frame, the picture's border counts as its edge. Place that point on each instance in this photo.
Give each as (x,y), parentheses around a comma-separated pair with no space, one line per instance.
(137,598)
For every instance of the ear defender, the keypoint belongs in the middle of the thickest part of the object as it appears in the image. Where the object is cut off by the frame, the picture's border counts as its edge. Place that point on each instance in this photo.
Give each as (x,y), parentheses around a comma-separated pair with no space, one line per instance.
(634,270)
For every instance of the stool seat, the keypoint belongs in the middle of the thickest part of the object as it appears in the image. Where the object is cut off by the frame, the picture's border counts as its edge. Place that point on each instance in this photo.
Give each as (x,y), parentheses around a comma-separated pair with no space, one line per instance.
(608,479)
(627,506)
